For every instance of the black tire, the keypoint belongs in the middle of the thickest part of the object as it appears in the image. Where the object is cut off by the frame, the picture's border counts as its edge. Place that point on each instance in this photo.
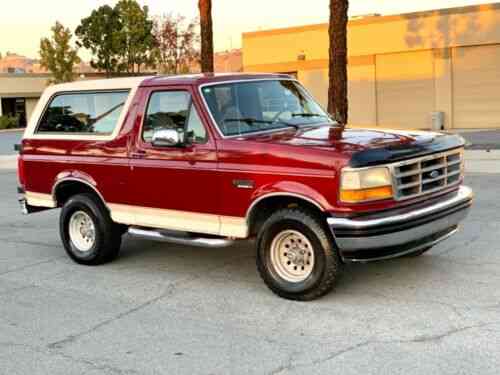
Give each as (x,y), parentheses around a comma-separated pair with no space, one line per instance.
(326,267)
(418,253)
(108,234)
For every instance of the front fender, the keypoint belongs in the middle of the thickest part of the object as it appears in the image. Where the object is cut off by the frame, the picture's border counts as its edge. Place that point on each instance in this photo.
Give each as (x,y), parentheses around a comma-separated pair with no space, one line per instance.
(290,188)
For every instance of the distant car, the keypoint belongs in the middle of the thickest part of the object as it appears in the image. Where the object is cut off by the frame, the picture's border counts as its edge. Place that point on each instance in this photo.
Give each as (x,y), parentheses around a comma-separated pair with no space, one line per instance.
(209,159)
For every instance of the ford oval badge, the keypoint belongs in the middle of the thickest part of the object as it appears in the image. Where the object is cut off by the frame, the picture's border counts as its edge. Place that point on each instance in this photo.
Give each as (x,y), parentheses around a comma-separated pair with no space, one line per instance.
(434,174)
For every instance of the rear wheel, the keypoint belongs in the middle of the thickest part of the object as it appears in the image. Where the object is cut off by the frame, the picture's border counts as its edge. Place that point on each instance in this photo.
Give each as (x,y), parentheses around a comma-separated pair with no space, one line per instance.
(88,234)
(296,257)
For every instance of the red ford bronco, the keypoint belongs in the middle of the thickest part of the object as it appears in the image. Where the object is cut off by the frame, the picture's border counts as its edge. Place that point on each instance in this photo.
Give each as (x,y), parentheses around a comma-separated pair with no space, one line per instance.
(210,159)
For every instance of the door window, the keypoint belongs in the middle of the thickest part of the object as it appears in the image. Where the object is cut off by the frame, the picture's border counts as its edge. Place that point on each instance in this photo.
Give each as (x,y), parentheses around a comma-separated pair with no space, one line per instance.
(173,110)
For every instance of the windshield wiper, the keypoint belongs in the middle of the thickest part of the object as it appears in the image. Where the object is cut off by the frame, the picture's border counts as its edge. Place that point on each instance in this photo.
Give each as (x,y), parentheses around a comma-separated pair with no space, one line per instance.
(308,115)
(253,121)
(248,120)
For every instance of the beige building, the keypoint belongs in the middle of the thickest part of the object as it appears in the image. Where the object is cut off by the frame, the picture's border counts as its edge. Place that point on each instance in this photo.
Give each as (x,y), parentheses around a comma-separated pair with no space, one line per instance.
(402,68)
(19,93)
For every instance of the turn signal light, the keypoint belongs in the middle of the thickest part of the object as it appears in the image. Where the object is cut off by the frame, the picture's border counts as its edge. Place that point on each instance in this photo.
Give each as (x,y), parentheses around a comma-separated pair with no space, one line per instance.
(364,195)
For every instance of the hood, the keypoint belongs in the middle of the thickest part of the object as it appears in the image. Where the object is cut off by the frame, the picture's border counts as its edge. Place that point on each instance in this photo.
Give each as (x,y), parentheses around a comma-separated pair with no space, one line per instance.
(367,146)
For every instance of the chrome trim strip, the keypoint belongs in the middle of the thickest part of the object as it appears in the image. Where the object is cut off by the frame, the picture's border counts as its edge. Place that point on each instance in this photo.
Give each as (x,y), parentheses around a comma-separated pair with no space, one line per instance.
(464,194)
(76,179)
(256,201)
(200,241)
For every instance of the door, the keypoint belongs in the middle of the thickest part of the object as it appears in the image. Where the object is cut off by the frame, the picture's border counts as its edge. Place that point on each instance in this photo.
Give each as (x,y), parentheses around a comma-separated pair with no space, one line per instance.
(174,187)
(476,87)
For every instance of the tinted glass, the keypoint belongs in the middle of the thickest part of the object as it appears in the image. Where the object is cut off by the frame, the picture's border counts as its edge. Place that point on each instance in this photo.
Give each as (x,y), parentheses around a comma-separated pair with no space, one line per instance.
(88,113)
(195,127)
(166,110)
(246,107)
(173,110)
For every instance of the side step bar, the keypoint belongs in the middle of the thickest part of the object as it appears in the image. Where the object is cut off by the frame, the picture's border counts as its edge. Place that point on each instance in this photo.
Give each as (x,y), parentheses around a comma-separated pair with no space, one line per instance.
(179,238)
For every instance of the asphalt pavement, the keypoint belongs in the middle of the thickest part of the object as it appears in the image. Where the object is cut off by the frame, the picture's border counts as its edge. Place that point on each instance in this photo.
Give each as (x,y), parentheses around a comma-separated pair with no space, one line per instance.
(165,309)
(8,140)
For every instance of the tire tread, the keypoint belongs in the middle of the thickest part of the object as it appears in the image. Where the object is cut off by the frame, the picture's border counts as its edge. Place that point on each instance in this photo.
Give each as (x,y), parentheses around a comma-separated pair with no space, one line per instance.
(332,265)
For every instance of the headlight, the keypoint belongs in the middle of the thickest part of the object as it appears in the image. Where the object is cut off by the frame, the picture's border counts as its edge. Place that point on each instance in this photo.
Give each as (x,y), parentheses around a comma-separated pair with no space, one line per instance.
(365,185)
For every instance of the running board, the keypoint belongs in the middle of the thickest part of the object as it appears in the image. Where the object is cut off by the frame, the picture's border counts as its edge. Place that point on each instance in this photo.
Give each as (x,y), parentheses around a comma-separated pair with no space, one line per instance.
(178,238)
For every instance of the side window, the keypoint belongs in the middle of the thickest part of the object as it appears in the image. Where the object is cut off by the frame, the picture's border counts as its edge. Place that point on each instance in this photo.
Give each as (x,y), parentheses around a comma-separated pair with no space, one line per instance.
(83,113)
(173,110)
(196,127)
(166,110)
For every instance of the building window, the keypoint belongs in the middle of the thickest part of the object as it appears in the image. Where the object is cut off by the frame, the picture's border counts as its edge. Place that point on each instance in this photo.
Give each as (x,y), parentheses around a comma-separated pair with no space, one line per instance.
(86,113)
(15,107)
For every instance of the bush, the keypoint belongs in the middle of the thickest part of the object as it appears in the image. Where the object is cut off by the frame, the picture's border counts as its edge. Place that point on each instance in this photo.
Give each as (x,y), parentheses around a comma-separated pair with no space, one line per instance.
(9,122)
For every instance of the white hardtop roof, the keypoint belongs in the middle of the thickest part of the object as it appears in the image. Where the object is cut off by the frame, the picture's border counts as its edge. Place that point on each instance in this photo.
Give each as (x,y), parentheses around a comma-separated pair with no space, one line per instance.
(98,84)
(131,84)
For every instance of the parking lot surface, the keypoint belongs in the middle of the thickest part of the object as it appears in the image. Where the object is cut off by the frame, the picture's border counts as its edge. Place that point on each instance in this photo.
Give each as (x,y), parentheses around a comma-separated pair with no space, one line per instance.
(165,309)
(8,140)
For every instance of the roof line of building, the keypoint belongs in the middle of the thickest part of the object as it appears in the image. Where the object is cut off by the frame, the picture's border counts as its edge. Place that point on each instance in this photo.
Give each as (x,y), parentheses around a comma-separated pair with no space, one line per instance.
(378,19)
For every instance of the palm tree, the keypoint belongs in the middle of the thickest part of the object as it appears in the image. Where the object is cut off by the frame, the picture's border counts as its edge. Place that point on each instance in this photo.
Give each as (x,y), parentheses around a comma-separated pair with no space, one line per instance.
(207,40)
(337,92)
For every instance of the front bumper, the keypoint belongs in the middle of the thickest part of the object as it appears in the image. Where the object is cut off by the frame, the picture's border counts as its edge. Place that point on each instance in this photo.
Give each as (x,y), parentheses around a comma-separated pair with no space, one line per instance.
(399,232)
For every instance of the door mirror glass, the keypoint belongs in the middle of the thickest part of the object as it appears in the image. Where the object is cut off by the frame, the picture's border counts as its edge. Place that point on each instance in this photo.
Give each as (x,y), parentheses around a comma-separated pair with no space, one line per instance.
(167,138)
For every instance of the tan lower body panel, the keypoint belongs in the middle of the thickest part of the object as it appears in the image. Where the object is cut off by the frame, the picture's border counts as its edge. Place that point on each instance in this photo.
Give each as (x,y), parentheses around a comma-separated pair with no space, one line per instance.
(39,199)
(179,220)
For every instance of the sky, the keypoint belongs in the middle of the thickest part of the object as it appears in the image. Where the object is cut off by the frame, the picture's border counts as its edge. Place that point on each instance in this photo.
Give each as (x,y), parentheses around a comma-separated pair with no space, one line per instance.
(23,23)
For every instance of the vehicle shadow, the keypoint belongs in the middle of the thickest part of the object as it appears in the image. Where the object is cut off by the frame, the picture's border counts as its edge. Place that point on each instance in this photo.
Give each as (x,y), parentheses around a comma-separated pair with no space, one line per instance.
(236,265)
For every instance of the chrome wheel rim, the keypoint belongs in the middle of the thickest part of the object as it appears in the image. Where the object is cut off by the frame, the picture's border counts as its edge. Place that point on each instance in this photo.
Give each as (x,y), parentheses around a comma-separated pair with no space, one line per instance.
(82,231)
(292,256)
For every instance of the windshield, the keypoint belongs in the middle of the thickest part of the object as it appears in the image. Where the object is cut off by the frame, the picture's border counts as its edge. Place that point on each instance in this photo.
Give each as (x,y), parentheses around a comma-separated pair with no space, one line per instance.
(254,106)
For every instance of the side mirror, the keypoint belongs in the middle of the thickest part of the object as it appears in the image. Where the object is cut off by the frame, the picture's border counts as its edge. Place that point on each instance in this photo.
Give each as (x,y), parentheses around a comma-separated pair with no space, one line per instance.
(167,138)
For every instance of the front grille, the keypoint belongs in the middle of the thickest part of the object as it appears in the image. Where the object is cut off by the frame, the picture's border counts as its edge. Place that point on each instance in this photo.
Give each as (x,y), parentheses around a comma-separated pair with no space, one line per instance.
(428,174)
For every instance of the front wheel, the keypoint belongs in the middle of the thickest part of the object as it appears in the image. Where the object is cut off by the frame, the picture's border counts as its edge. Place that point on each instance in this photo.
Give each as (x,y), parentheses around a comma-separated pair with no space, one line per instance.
(296,257)
(88,234)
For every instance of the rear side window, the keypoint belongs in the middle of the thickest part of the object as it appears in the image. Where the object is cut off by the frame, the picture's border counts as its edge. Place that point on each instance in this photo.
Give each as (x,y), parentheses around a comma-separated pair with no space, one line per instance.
(83,113)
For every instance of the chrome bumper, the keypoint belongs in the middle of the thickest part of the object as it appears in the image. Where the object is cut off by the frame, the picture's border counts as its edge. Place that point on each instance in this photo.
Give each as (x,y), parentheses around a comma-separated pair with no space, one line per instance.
(396,233)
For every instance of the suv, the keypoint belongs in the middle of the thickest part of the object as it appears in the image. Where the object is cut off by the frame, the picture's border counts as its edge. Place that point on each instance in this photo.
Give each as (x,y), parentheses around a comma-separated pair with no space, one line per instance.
(210,159)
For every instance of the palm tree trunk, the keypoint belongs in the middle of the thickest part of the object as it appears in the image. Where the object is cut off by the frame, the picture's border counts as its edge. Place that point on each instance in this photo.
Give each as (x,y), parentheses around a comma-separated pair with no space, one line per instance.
(337,92)
(207,42)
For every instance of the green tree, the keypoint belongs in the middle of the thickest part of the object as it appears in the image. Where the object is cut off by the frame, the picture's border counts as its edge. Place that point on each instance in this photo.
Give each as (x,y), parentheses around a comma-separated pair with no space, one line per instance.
(135,36)
(57,54)
(100,33)
(207,39)
(337,92)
